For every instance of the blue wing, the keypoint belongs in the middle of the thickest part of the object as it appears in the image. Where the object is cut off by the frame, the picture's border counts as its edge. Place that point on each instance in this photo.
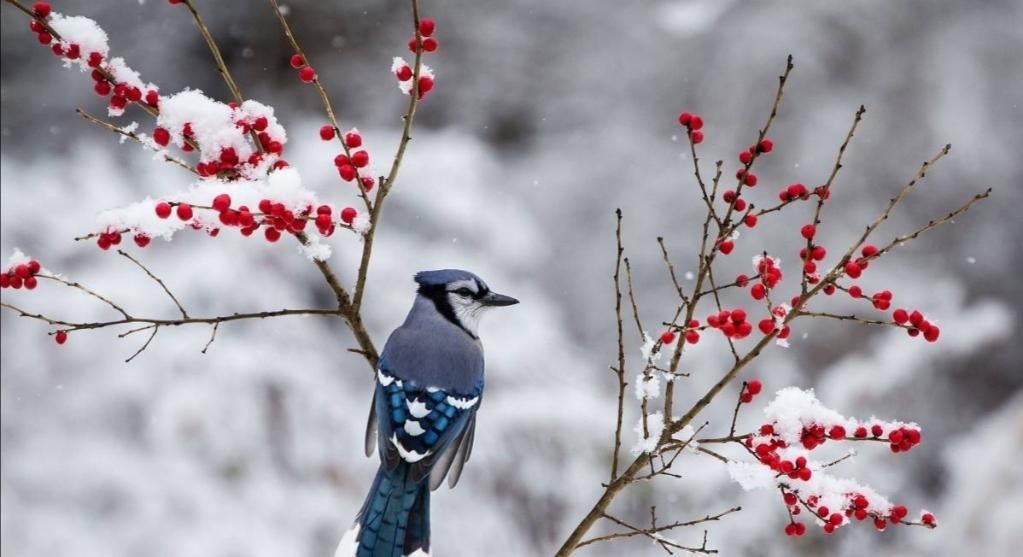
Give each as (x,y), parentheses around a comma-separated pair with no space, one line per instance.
(429,428)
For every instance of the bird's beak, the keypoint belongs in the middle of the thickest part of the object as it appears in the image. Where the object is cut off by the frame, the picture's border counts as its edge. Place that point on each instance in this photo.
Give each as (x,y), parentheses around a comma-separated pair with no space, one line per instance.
(495,299)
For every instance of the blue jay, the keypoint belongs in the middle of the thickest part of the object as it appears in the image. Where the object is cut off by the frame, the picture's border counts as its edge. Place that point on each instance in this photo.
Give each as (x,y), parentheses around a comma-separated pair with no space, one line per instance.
(423,415)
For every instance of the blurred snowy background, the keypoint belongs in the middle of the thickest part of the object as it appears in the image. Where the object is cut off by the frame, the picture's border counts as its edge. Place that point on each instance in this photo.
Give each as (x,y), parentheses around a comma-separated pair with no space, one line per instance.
(546,116)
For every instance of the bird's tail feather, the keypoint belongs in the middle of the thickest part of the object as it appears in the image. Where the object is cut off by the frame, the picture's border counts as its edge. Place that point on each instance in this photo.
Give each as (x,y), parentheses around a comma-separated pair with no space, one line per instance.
(395,519)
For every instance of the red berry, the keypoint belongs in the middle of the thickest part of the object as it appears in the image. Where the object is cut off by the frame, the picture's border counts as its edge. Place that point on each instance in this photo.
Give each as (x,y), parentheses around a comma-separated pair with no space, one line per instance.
(931,334)
(692,337)
(307,74)
(916,318)
(746,398)
(41,9)
(102,88)
(808,231)
(754,387)
(696,122)
(327,132)
(272,234)
(726,247)
(927,519)
(853,269)
(141,240)
(684,118)
(297,61)
(367,182)
(163,209)
(861,432)
(161,137)
(837,432)
(360,159)
(426,27)
(425,84)
(758,291)
(184,211)
(347,172)
(745,157)
(765,146)
(855,291)
(222,202)
(667,337)
(22,271)
(870,250)
(60,337)
(34,266)
(766,326)
(697,137)
(348,215)
(404,73)
(353,139)
(430,44)
(750,179)
(260,124)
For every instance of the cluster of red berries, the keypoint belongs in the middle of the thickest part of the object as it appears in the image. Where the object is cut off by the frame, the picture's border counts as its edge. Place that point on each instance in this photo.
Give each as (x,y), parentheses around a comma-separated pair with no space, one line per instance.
(275,216)
(856,507)
(750,389)
(918,325)
(766,452)
(799,192)
(731,323)
(426,43)
(769,325)
(691,333)
(22,274)
(41,10)
(770,275)
(228,164)
(747,157)
(854,268)
(811,256)
(693,124)
(348,167)
(123,93)
(426,28)
(305,72)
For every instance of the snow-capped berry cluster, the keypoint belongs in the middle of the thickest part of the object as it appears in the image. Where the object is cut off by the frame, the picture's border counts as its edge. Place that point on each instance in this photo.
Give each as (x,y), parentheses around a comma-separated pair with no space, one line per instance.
(404,72)
(797,423)
(83,43)
(20,271)
(693,124)
(306,73)
(769,274)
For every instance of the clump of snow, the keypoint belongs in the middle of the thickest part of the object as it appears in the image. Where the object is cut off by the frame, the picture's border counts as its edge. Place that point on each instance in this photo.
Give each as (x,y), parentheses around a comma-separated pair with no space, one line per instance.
(647,386)
(649,355)
(647,443)
(315,250)
(361,223)
(17,258)
(751,475)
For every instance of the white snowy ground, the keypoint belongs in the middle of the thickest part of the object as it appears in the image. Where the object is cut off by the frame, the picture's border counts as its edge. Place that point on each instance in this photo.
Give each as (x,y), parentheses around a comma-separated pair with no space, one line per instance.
(254,449)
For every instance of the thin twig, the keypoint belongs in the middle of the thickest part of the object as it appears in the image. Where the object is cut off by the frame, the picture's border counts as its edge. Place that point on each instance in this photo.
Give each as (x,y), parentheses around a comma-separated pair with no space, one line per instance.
(145,269)
(88,291)
(156,329)
(133,136)
(213,336)
(620,371)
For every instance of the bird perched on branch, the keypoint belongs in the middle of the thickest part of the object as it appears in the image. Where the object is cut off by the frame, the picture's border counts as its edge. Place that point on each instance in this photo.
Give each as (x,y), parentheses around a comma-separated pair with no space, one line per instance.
(423,416)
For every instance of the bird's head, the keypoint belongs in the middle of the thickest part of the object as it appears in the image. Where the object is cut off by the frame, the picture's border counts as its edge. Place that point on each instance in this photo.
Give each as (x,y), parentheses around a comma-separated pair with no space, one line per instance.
(460,296)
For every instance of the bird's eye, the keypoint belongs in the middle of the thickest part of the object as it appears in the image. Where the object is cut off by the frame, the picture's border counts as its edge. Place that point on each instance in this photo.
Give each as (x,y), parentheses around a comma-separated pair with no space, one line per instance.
(464,292)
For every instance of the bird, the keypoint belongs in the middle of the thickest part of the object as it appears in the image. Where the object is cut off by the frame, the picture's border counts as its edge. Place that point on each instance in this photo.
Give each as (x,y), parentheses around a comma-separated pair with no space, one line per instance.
(429,384)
